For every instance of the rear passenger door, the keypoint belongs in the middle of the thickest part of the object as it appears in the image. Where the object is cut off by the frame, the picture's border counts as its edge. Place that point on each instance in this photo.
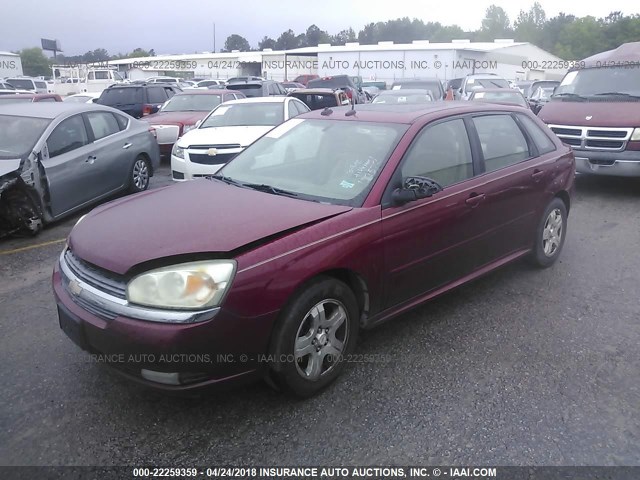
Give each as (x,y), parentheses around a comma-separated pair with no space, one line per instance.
(112,150)
(516,162)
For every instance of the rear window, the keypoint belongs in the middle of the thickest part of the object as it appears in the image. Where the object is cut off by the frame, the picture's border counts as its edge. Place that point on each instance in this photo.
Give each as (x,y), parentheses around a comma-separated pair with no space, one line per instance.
(250,90)
(487,83)
(156,95)
(121,96)
(22,84)
(335,82)
(316,102)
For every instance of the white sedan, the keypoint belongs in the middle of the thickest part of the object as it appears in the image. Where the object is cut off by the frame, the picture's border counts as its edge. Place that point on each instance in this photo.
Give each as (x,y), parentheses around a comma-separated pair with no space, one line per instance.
(229,128)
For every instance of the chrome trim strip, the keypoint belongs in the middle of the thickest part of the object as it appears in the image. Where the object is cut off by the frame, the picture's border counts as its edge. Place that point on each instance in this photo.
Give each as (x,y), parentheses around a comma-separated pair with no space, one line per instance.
(120,307)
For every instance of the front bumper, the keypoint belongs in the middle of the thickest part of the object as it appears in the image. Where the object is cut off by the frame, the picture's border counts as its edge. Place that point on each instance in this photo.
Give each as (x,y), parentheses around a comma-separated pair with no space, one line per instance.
(182,170)
(620,164)
(220,349)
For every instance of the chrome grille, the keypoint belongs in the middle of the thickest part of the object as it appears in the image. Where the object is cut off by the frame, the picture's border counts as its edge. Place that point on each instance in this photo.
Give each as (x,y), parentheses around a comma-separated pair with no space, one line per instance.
(205,159)
(593,138)
(103,280)
(201,154)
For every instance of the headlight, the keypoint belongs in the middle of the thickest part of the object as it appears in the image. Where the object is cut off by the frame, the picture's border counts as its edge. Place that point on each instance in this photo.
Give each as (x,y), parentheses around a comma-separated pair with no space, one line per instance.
(188,286)
(635,136)
(186,128)
(177,151)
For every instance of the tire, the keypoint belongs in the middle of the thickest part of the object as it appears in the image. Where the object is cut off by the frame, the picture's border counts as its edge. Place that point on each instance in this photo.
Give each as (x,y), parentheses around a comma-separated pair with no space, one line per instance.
(550,235)
(139,175)
(323,345)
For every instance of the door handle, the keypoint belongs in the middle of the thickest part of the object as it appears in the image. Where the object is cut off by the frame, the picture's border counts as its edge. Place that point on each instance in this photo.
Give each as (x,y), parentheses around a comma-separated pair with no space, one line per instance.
(90,159)
(537,174)
(475,199)
(126,145)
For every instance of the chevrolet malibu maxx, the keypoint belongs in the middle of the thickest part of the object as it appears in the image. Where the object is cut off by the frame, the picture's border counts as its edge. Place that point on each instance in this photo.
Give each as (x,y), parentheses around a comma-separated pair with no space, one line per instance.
(332,222)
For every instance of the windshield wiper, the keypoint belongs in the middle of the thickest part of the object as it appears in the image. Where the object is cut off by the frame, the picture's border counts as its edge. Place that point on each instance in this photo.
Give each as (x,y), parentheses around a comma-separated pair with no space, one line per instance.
(261,187)
(619,94)
(228,180)
(571,95)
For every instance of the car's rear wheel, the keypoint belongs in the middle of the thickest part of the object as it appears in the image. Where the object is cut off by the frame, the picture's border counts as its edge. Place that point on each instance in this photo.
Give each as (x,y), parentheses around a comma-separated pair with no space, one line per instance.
(550,234)
(140,174)
(316,332)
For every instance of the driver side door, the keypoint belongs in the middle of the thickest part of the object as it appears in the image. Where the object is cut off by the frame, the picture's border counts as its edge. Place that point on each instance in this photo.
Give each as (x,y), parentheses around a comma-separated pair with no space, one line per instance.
(429,243)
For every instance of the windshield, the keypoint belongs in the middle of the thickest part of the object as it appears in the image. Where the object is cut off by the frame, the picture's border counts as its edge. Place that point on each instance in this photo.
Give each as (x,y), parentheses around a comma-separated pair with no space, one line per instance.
(403,99)
(192,103)
(505,97)
(433,86)
(487,83)
(592,81)
(21,84)
(245,114)
(330,161)
(18,135)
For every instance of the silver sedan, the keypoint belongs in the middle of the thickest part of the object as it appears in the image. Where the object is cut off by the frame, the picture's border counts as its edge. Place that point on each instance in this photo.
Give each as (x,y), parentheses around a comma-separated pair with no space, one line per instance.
(57,158)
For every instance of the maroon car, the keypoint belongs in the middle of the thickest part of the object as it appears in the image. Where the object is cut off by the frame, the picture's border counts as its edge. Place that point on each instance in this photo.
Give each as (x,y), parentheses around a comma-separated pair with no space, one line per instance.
(334,221)
(30,98)
(182,111)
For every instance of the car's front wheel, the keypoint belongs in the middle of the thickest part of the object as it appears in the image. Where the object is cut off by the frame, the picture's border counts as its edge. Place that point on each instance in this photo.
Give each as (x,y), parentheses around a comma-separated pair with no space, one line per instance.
(316,332)
(550,234)
(140,175)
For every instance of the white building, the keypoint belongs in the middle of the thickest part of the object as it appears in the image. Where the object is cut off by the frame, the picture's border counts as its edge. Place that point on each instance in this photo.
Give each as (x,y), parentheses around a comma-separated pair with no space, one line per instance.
(385,61)
(10,65)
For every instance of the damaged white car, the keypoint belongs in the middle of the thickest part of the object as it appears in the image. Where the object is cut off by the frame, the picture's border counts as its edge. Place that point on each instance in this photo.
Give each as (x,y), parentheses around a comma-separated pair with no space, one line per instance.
(57,158)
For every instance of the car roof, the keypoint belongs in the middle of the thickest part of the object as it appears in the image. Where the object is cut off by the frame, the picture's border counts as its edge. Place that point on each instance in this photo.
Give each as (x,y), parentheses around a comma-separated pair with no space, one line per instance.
(35,95)
(498,90)
(49,110)
(257,100)
(405,91)
(209,91)
(318,90)
(415,80)
(407,114)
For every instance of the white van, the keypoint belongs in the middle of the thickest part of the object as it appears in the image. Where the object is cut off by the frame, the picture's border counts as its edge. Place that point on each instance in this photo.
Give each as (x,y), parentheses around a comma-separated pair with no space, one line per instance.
(27,83)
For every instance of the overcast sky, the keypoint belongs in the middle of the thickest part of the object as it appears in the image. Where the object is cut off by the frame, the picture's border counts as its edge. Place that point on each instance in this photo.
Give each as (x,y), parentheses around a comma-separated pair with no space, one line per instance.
(174,26)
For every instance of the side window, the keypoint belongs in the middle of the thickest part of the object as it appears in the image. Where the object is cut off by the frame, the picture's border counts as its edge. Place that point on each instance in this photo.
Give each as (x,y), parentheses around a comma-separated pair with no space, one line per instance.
(293,111)
(156,95)
(302,108)
(102,75)
(272,89)
(102,124)
(91,76)
(67,136)
(441,152)
(502,141)
(540,138)
(283,91)
(228,96)
(123,122)
(170,92)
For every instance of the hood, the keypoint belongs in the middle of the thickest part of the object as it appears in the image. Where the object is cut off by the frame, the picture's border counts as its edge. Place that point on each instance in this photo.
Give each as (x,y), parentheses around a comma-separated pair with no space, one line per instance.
(603,114)
(198,216)
(223,136)
(8,166)
(175,118)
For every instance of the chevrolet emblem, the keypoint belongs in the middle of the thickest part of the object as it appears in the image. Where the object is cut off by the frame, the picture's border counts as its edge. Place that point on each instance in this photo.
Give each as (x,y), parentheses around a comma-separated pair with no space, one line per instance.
(588,117)
(75,288)
(212,152)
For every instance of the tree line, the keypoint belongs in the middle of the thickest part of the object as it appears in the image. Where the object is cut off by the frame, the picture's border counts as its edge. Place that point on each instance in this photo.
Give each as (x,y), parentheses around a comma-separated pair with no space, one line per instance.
(567,36)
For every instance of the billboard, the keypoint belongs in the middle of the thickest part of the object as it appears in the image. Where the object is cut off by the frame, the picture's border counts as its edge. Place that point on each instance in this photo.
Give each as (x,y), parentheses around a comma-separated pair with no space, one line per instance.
(50,45)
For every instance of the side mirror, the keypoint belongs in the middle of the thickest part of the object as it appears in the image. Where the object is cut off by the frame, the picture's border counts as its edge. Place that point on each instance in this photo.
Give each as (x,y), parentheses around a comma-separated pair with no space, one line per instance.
(95,100)
(415,188)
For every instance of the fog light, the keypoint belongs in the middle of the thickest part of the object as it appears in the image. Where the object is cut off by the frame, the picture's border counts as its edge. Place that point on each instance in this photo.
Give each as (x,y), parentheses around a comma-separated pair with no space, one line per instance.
(161,377)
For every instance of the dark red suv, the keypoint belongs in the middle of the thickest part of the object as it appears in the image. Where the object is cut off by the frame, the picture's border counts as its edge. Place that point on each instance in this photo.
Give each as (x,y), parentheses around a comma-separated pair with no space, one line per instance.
(333,222)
